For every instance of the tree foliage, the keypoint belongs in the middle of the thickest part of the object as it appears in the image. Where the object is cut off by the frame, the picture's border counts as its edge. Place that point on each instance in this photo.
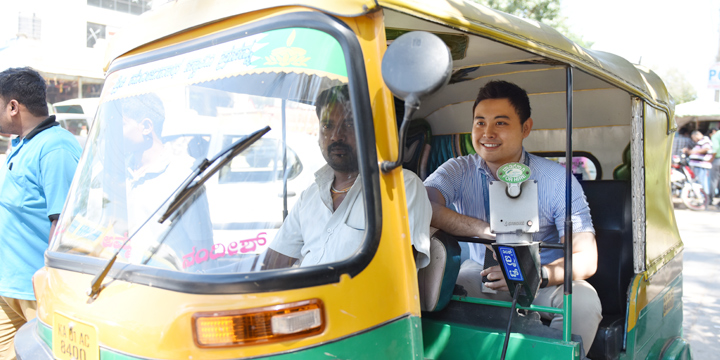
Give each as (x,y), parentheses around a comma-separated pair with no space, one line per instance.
(545,11)
(678,86)
(541,10)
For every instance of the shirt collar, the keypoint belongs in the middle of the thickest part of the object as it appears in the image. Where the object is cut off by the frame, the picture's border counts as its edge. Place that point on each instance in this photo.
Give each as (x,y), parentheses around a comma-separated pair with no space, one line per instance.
(152,170)
(46,124)
(483,166)
(326,175)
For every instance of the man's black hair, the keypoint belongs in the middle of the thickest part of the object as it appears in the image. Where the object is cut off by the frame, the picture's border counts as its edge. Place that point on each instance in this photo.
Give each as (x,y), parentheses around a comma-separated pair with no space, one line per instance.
(145,106)
(336,94)
(498,89)
(27,87)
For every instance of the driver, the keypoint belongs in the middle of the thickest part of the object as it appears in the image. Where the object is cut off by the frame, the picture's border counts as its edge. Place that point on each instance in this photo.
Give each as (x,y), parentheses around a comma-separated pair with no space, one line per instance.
(327,224)
(501,120)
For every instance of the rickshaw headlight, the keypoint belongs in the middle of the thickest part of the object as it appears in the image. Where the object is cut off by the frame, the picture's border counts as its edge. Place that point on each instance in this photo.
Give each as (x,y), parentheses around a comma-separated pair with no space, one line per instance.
(259,325)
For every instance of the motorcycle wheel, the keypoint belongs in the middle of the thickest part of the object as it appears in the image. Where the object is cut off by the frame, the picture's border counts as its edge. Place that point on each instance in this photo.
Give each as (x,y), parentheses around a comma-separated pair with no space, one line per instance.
(694,197)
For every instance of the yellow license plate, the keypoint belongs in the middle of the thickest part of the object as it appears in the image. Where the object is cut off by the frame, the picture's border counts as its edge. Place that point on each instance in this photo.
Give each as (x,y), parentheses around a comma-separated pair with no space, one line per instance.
(74,340)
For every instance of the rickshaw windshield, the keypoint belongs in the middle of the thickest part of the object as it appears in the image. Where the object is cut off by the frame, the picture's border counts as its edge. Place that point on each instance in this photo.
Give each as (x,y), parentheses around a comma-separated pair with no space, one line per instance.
(159,120)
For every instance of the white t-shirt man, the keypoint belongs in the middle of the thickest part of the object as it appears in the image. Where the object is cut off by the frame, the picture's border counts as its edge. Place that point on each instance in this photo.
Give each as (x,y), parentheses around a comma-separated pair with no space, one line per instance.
(316,234)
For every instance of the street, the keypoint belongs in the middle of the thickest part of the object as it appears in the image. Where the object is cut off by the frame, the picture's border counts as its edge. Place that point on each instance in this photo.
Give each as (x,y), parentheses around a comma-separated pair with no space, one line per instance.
(700,231)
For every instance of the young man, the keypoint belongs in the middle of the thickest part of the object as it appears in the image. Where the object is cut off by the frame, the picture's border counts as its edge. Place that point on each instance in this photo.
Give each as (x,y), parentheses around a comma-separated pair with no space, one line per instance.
(715,176)
(327,224)
(153,173)
(501,120)
(701,161)
(38,173)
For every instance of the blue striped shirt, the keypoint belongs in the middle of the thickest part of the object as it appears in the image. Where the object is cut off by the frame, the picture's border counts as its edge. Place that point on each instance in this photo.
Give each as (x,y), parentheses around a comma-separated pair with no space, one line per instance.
(463,182)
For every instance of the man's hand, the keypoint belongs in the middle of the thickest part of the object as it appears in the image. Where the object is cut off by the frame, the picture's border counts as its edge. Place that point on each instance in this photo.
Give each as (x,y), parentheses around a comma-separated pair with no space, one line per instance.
(496,278)
(454,223)
(276,260)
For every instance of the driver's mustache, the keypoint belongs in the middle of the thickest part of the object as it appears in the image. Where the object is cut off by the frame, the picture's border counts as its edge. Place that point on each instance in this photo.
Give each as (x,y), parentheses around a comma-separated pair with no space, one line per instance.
(339,146)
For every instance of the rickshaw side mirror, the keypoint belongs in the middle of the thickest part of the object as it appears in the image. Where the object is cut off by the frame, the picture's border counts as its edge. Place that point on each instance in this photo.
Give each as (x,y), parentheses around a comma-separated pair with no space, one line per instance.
(415,65)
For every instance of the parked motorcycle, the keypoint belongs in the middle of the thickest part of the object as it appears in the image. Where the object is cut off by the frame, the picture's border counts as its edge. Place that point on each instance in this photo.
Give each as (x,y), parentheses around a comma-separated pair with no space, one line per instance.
(684,185)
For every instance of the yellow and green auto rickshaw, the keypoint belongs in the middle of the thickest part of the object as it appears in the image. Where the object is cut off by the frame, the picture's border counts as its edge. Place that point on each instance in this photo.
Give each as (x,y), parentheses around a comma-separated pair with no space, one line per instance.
(159,252)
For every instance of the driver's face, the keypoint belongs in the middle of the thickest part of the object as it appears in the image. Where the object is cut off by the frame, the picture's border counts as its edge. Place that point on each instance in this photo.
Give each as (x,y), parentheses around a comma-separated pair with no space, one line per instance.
(337,138)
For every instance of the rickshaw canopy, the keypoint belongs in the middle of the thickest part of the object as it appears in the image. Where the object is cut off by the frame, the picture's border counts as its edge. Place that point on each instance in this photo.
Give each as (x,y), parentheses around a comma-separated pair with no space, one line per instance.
(469,17)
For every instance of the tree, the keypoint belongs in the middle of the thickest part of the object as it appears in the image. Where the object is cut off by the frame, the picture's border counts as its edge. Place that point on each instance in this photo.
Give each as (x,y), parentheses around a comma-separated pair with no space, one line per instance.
(678,86)
(545,11)
(541,10)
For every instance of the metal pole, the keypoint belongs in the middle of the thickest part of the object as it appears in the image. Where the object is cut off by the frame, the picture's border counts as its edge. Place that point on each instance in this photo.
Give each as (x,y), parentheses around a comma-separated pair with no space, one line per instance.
(567,303)
(284,158)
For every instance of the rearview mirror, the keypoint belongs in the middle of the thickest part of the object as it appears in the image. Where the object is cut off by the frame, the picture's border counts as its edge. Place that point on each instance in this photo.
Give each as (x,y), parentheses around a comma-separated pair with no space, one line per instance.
(415,65)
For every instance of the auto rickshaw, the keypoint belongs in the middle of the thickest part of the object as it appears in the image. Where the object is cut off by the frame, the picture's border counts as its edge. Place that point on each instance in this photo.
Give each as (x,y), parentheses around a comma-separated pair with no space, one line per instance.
(159,254)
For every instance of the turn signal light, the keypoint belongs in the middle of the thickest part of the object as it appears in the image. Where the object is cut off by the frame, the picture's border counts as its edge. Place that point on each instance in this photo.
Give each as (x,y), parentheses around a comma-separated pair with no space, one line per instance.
(260,325)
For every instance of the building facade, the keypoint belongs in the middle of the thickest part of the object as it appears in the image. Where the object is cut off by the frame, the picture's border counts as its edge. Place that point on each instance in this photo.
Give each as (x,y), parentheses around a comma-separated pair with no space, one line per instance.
(65,40)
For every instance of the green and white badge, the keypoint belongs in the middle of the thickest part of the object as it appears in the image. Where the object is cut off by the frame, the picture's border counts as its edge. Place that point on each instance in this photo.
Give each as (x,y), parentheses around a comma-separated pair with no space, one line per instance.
(513,173)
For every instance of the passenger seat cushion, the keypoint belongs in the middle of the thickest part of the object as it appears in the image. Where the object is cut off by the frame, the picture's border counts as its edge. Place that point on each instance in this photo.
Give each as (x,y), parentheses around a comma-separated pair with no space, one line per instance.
(436,281)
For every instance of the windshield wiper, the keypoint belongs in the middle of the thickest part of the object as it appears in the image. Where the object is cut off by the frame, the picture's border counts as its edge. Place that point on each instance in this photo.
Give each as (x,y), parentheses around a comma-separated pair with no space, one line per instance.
(184,191)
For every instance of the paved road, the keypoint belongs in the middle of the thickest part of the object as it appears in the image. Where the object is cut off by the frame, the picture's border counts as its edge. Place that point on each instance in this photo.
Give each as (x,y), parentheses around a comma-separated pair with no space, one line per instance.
(700,232)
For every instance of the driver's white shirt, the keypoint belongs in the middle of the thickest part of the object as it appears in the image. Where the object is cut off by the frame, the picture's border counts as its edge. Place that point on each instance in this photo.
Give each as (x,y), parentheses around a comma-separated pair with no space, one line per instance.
(315,234)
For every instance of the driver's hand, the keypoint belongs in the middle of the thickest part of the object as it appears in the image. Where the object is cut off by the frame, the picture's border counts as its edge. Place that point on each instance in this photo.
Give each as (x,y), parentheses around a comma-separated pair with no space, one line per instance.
(497,280)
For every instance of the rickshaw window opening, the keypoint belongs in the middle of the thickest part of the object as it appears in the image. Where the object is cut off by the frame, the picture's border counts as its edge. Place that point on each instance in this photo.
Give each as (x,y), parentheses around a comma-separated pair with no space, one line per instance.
(283,279)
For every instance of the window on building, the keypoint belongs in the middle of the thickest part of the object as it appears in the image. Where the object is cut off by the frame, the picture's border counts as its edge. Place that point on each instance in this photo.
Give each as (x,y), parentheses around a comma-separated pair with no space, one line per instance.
(135,7)
(29,26)
(95,32)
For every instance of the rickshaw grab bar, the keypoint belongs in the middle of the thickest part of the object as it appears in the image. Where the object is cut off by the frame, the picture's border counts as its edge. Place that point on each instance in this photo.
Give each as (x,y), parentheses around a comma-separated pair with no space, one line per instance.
(477,240)
(567,301)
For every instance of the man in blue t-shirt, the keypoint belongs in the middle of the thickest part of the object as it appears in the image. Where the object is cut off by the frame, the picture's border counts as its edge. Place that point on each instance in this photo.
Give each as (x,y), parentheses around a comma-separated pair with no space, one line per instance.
(501,120)
(38,173)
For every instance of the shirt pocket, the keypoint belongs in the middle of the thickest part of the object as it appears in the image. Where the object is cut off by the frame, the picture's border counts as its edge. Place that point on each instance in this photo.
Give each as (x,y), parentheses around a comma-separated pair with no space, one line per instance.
(356,218)
(14,188)
(348,241)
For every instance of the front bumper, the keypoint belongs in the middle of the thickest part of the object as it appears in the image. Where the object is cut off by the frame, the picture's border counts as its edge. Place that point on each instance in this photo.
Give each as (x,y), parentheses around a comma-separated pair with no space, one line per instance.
(29,345)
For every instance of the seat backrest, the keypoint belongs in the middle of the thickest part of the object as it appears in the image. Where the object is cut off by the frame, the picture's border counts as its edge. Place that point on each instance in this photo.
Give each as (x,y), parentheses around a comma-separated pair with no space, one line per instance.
(417,148)
(611,210)
(436,281)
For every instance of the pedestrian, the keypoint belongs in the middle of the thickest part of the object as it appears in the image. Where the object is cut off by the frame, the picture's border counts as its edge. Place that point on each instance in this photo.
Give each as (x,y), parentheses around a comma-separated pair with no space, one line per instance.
(701,159)
(38,173)
(680,142)
(715,177)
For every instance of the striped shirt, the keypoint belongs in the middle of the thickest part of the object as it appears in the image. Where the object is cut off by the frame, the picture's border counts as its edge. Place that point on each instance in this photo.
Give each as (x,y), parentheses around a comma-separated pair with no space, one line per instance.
(463,182)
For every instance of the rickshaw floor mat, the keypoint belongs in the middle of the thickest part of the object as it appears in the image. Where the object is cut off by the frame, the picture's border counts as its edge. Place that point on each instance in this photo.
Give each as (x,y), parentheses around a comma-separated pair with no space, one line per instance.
(493,318)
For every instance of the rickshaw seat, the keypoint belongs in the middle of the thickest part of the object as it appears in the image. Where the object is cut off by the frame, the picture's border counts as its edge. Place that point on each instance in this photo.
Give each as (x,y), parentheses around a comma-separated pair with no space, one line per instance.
(436,281)
(611,210)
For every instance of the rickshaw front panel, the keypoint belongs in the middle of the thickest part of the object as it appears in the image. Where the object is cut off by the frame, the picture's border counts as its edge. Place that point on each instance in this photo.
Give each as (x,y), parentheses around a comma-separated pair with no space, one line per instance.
(366,303)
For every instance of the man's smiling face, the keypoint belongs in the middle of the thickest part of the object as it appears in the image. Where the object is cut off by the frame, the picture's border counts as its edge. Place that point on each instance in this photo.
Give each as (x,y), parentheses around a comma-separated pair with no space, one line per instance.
(497,132)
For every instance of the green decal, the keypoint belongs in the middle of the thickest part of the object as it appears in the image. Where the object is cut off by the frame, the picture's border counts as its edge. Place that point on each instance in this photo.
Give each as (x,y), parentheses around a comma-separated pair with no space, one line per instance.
(301,48)
(513,173)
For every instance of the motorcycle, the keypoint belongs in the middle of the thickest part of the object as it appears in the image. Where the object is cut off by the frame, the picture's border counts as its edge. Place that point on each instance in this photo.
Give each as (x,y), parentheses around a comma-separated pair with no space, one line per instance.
(684,185)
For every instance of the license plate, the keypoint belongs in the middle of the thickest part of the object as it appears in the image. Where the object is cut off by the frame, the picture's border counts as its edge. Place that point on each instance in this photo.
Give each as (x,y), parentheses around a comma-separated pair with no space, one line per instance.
(74,340)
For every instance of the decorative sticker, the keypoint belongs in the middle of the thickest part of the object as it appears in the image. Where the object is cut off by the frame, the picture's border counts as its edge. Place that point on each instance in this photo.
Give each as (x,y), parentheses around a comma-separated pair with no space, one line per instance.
(82,236)
(513,173)
(296,50)
(510,262)
(244,242)
(668,301)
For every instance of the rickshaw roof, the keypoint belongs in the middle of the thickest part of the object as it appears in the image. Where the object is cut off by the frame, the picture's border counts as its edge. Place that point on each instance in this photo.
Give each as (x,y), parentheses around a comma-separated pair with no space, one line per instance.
(463,15)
